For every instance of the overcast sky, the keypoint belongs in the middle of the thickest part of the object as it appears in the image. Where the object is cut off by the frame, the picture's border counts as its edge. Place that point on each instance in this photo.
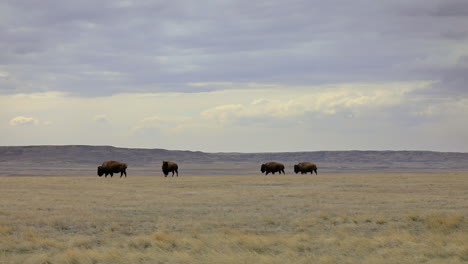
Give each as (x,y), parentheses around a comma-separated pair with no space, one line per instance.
(247,76)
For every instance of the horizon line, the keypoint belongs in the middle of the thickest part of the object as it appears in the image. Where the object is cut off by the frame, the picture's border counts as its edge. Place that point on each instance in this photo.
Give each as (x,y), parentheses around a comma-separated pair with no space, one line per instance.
(239,152)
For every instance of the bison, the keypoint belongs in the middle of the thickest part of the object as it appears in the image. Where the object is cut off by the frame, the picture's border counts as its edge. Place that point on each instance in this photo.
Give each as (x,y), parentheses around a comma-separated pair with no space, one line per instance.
(272,167)
(169,166)
(305,167)
(111,167)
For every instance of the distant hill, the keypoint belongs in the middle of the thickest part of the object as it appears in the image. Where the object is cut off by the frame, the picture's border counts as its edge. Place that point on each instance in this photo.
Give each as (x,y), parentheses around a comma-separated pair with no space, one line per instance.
(83,160)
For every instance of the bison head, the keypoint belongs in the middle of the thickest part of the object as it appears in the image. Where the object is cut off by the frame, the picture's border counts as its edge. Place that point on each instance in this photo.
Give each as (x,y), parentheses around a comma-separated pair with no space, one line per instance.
(263,168)
(296,168)
(100,171)
(165,167)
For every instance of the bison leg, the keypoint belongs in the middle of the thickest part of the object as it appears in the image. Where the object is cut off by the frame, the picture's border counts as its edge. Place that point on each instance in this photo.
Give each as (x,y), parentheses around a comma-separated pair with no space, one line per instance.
(177,172)
(315,172)
(283,172)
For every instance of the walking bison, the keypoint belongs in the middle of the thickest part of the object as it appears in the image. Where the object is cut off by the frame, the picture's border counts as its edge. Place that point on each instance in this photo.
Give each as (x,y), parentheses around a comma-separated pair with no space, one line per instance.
(272,167)
(111,167)
(305,167)
(169,166)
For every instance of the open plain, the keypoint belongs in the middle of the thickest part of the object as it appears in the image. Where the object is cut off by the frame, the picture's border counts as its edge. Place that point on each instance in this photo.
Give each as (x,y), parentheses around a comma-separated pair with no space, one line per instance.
(325,218)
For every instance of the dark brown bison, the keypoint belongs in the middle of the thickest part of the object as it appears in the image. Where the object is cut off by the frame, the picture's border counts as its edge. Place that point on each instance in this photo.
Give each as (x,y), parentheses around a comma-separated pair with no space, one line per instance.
(111,167)
(305,167)
(169,166)
(272,167)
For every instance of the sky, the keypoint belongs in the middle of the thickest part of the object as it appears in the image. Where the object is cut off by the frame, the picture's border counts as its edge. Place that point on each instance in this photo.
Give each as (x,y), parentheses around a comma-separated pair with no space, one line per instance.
(235,76)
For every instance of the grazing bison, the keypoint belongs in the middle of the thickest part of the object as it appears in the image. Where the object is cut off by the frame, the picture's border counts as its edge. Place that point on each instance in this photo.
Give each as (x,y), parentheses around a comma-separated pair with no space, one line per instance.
(272,167)
(305,167)
(169,166)
(111,167)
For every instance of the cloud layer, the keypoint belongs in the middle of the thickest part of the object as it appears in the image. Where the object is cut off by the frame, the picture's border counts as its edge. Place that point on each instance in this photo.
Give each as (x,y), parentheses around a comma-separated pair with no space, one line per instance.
(151,46)
(348,116)
(235,76)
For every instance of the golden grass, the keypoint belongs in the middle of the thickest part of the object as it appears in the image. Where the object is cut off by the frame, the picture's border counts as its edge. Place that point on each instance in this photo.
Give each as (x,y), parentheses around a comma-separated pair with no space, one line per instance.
(345,218)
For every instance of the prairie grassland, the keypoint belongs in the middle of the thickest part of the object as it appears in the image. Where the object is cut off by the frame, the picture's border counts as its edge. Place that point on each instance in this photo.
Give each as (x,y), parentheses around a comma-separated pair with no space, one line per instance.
(342,218)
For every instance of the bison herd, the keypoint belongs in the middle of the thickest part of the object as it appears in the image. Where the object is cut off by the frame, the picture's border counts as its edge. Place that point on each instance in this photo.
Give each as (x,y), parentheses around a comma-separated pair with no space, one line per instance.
(110,167)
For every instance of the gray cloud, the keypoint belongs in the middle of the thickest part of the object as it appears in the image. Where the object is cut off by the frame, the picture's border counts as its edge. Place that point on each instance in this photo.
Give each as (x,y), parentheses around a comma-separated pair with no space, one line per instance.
(102,119)
(92,49)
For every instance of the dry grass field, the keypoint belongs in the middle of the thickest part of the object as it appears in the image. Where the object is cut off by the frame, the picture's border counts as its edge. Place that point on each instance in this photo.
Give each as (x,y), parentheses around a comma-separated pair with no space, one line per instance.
(334,218)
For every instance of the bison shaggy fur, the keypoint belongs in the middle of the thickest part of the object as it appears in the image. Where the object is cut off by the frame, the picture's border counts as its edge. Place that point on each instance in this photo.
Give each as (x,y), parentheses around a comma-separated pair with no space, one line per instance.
(305,167)
(169,166)
(272,167)
(111,167)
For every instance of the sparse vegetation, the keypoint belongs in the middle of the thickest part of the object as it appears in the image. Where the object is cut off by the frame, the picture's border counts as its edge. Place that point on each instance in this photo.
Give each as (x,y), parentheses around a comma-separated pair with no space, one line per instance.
(345,218)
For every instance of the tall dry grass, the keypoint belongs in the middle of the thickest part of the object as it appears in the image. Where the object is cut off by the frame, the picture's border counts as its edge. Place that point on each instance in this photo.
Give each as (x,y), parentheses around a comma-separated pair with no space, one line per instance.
(368,218)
